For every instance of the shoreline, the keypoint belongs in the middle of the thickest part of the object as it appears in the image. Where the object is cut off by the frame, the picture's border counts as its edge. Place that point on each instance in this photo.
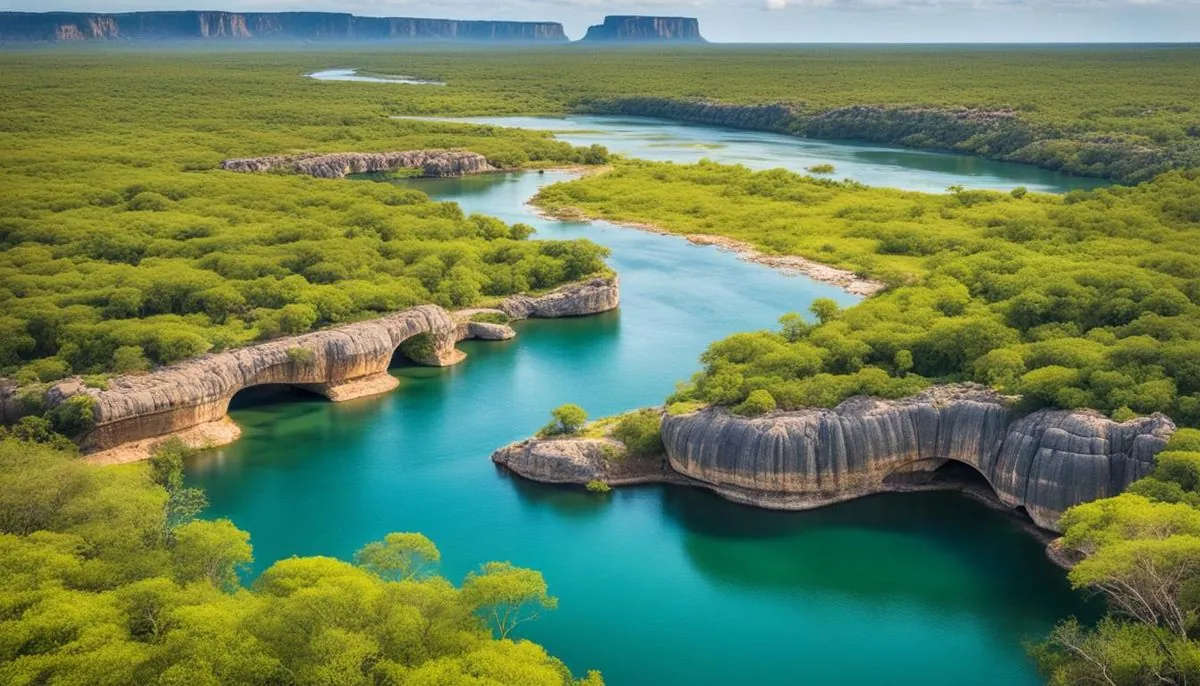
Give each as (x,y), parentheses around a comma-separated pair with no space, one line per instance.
(792,265)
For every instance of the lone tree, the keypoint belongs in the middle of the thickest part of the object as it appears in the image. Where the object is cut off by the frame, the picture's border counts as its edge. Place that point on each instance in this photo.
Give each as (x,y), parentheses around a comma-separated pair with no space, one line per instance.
(506,596)
(399,557)
(565,420)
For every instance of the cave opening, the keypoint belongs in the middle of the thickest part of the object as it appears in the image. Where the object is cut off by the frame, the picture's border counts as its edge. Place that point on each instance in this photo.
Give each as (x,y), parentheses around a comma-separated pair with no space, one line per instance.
(269,394)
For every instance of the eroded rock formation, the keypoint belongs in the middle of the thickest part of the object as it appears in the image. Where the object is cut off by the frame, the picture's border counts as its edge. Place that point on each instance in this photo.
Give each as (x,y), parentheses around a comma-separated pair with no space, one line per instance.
(580,461)
(206,25)
(342,363)
(435,163)
(1044,462)
(635,29)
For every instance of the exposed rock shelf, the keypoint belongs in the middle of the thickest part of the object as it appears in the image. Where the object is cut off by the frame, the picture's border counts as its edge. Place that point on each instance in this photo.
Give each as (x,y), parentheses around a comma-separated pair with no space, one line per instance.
(1044,462)
(342,363)
(209,25)
(433,163)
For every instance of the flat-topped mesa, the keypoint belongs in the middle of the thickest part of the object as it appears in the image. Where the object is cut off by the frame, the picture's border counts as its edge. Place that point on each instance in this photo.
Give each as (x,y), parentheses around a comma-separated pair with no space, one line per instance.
(342,363)
(638,29)
(1044,462)
(215,25)
(432,163)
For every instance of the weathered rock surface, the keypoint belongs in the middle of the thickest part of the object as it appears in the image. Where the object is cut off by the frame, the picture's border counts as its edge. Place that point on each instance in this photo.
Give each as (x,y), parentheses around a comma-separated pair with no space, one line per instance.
(1044,462)
(342,363)
(636,29)
(433,163)
(590,297)
(206,25)
(578,461)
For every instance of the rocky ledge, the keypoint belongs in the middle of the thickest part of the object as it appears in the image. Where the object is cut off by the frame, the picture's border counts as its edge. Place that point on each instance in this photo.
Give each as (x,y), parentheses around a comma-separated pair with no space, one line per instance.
(346,362)
(433,163)
(1044,462)
(581,461)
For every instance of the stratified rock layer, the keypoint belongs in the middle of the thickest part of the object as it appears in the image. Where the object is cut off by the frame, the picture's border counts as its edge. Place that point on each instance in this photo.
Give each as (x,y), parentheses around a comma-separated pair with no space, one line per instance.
(579,461)
(434,163)
(637,29)
(347,362)
(209,25)
(1044,462)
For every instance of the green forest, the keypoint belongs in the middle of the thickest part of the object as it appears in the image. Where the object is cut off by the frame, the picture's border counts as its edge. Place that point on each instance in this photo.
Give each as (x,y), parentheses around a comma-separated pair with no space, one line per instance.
(998,288)
(123,246)
(110,578)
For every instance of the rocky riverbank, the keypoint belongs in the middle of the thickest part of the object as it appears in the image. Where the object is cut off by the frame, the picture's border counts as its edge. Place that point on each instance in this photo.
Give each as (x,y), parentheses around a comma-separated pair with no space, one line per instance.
(432,163)
(1040,463)
(342,363)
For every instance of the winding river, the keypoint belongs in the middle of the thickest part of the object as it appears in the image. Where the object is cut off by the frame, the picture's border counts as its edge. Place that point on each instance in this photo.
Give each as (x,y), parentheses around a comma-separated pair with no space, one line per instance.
(657,585)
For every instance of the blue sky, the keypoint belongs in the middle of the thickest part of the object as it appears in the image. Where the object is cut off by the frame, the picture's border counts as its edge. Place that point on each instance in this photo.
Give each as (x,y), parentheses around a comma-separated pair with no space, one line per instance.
(772,20)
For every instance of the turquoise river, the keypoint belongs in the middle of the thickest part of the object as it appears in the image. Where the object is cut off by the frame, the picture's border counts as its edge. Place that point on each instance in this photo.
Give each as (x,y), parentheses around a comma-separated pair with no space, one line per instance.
(656,585)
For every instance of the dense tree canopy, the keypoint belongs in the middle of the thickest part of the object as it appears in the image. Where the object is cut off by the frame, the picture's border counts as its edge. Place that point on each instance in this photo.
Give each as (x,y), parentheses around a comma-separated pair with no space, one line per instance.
(107,581)
(1001,288)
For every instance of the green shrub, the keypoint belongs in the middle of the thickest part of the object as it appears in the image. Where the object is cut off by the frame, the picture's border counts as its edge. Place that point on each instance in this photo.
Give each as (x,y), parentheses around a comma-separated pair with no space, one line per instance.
(825,168)
(75,416)
(491,318)
(759,402)
(597,486)
(302,357)
(566,420)
(641,432)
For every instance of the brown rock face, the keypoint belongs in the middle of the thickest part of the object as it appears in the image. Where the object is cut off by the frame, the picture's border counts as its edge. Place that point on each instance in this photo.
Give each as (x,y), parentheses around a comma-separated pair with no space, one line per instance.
(1045,462)
(581,460)
(590,297)
(434,163)
(343,363)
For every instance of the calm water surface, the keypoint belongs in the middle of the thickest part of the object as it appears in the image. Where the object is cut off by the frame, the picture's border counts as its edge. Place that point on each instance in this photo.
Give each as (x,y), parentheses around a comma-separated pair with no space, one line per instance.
(874,165)
(656,585)
(353,75)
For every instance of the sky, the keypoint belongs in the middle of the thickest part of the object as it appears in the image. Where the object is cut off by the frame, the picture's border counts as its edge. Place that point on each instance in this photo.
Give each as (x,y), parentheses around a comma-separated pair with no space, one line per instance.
(778,21)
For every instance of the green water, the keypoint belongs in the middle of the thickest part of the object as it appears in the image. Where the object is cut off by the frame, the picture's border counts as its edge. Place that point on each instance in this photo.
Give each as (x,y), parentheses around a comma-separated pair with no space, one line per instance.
(657,585)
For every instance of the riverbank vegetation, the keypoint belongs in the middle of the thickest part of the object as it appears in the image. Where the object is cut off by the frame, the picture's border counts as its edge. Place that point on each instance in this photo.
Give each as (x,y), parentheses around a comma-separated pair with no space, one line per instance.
(122,245)
(109,579)
(1088,300)
(1141,552)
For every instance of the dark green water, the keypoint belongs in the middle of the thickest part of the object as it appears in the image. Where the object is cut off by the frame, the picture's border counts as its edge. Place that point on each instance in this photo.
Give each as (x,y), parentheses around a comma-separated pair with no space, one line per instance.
(656,585)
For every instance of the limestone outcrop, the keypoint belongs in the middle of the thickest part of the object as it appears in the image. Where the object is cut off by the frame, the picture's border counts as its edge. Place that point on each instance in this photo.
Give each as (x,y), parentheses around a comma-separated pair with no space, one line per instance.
(579,461)
(346,362)
(590,297)
(1044,462)
(432,163)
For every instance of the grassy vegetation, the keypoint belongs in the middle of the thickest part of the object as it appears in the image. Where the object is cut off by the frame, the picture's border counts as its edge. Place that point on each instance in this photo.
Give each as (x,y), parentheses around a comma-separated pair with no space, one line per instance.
(110,579)
(1001,288)
(122,246)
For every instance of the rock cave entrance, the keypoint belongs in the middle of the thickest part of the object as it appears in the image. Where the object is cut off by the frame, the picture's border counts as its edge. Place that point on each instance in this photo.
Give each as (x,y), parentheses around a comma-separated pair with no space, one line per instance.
(269,394)
(943,474)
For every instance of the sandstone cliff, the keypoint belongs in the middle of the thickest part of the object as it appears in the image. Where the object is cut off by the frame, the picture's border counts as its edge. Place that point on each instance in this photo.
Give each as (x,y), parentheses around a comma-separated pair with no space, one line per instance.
(342,363)
(193,25)
(435,163)
(634,29)
(1044,462)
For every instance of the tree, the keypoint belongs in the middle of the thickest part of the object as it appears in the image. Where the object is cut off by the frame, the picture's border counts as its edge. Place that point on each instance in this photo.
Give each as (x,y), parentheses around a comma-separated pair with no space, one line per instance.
(507,596)
(824,309)
(399,557)
(215,552)
(793,327)
(565,420)
(759,402)
(903,362)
